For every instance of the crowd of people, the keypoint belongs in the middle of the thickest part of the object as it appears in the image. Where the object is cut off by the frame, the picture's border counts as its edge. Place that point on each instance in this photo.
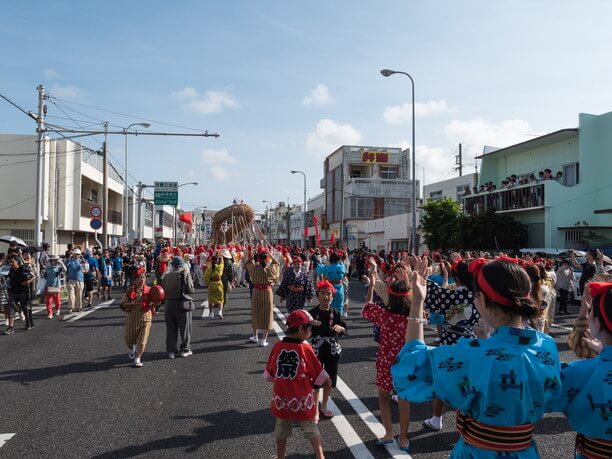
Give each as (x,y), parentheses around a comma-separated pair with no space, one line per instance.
(493,360)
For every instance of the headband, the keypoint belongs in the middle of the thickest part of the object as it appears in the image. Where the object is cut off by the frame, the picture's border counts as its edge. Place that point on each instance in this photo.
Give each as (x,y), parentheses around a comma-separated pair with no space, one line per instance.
(456,263)
(600,289)
(392,292)
(476,269)
(326,285)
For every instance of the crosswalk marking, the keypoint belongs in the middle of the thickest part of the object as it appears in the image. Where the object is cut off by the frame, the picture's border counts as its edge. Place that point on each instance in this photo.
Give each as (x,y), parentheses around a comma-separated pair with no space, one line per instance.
(5,437)
(74,316)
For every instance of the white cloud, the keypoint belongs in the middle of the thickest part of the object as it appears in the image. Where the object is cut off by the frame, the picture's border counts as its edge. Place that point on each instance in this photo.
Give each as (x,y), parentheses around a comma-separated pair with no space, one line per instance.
(318,96)
(329,135)
(478,132)
(209,102)
(51,74)
(211,156)
(436,161)
(217,160)
(218,173)
(399,114)
(68,91)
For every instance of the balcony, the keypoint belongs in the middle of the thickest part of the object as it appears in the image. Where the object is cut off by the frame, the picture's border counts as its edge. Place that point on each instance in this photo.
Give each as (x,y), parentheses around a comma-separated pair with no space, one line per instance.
(113,215)
(525,197)
(376,187)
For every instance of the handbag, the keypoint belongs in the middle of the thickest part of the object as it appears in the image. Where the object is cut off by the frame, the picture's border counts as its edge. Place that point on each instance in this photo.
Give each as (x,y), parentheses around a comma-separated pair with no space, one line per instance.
(186,303)
(574,339)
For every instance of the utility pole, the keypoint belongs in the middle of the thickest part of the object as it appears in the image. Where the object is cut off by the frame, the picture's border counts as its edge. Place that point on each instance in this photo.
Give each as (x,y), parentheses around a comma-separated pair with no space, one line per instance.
(288,223)
(459,161)
(139,210)
(105,188)
(40,152)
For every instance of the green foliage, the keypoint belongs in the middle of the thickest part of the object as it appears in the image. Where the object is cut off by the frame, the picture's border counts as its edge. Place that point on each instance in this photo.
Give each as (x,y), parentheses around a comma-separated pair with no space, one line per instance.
(445,227)
(489,230)
(440,223)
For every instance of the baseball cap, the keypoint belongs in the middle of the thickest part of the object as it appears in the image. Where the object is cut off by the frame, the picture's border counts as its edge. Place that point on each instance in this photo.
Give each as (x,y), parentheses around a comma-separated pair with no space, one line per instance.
(301,317)
(76,252)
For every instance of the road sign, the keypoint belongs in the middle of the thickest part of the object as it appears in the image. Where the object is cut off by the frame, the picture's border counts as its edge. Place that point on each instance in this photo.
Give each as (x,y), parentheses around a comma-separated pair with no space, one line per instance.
(166,194)
(95,223)
(95,211)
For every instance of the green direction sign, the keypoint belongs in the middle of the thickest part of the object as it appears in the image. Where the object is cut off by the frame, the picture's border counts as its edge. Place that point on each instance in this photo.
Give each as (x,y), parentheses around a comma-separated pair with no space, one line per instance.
(166,194)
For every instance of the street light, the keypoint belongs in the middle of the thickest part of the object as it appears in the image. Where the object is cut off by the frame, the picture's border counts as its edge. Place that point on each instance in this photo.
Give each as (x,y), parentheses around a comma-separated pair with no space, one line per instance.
(303,238)
(175,222)
(268,219)
(125,179)
(387,73)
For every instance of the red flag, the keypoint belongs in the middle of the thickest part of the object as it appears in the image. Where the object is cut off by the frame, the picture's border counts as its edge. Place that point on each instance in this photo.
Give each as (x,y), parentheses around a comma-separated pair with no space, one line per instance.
(187,217)
(306,232)
(332,239)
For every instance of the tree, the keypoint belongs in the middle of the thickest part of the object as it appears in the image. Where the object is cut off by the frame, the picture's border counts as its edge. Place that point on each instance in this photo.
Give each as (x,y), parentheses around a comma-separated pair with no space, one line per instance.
(440,223)
(489,230)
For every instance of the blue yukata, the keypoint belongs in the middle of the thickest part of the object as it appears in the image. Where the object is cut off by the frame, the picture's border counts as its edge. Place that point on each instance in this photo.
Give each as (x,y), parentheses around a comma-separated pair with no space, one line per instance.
(296,288)
(586,398)
(335,273)
(506,380)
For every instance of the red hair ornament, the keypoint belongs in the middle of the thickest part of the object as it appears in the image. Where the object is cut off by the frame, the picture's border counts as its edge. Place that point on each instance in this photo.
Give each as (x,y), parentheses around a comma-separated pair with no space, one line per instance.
(476,269)
(326,285)
(599,289)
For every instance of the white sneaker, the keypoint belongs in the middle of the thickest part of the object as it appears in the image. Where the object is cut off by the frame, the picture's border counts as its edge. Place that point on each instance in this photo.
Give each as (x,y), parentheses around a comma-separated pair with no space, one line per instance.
(137,363)
(220,315)
(433,423)
(171,355)
(263,343)
(395,398)
(186,353)
(6,322)
(253,339)
(57,313)
(345,315)
(211,315)
(49,316)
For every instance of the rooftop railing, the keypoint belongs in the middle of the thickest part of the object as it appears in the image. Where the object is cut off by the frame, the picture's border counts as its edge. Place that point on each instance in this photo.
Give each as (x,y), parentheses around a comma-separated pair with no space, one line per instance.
(510,199)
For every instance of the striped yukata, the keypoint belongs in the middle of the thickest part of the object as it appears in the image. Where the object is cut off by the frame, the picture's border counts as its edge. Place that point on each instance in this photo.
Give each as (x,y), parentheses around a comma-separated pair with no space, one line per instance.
(137,321)
(262,302)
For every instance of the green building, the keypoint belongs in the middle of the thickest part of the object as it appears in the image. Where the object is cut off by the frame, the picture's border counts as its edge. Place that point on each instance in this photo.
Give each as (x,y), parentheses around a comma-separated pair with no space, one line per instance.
(574,211)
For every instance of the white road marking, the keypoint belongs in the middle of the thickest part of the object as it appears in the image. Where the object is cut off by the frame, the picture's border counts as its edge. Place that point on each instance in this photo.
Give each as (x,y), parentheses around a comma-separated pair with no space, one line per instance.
(74,316)
(561,327)
(366,415)
(348,434)
(5,437)
(205,306)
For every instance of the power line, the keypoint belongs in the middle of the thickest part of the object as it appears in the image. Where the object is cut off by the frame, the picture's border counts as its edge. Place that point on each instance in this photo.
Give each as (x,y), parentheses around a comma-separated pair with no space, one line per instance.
(130,116)
(16,106)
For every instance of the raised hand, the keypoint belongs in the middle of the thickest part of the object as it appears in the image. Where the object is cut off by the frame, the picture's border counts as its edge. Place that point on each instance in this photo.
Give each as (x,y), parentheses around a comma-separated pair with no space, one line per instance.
(592,342)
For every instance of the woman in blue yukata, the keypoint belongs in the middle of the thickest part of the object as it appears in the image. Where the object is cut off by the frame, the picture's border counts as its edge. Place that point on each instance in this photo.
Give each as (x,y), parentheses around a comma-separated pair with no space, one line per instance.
(335,272)
(499,386)
(587,384)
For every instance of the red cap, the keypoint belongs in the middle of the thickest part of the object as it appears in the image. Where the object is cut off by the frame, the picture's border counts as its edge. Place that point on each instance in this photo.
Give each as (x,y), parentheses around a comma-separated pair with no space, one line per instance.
(326,285)
(300,317)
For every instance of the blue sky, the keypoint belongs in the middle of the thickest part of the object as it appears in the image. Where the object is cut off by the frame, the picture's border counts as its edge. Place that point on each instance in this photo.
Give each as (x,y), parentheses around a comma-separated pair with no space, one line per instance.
(285,83)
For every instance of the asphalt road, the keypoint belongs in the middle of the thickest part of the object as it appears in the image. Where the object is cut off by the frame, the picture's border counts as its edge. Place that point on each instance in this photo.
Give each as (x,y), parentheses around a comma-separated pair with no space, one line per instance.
(69,391)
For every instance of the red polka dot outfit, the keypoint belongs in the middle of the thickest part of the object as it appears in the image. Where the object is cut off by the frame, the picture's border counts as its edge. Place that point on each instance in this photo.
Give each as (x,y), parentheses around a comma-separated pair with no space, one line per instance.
(392,339)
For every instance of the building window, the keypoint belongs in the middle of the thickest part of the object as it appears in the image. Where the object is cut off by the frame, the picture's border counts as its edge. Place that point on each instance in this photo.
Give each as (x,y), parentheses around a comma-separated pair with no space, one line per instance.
(361,207)
(389,172)
(94,195)
(571,174)
(396,206)
(435,195)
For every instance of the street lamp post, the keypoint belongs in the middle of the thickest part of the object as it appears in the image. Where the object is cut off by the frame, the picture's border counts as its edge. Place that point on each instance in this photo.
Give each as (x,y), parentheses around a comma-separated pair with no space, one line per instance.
(268,220)
(125,179)
(387,73)
(141,186)
(176,212)
(303,238)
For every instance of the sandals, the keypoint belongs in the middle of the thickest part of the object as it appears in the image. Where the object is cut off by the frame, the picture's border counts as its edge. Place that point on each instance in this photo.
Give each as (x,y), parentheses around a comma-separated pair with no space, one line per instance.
(325,414)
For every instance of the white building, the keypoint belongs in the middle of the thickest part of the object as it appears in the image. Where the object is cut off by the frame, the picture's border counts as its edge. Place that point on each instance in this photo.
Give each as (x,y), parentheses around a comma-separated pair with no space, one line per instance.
(361,184)
(72,187)
(454,188)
